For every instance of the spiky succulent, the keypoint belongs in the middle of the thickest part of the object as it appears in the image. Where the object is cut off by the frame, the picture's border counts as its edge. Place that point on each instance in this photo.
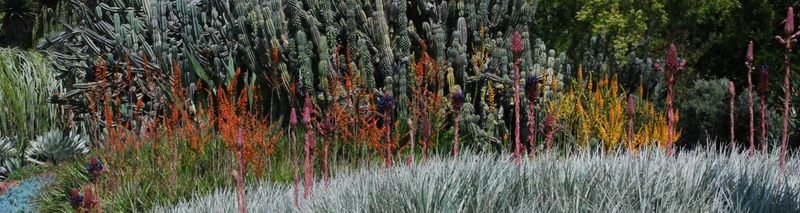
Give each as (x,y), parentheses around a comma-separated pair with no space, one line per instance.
(9,157)
(54,147)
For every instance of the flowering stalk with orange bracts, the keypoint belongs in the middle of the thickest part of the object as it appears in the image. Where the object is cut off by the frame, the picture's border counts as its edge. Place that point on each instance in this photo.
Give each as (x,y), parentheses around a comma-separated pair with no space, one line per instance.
(749,63)
(310,146)
(631,111)
(789,39)
(763,87)
(516,48)
(532,94)
(239,176)
(386,103)
(458,102)
(293,137)
(732,91)
(674,67)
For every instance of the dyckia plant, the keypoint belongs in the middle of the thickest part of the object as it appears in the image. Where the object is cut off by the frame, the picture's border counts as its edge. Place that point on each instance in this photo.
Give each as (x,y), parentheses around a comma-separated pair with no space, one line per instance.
(458,101)
(763,88)
(789,39)
(674,67)
(516,48)
(749,63)
(532,93)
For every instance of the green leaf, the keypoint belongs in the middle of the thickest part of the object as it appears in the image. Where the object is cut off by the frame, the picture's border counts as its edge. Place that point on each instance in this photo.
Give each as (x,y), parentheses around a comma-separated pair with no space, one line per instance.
(198,69)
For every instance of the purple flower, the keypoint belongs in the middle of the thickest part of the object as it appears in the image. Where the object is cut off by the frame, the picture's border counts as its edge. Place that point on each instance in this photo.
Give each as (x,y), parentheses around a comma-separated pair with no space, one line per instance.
(458,99)
(532,88)
(386,103)
(94,168)
(75,198)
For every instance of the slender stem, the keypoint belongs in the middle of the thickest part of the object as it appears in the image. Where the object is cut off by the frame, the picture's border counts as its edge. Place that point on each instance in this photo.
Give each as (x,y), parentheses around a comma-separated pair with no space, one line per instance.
(532,129)
(787,90)
(516,112)
(750,105)
(296,166)
(670,119)
(455,142)
(763,125)
(733,124)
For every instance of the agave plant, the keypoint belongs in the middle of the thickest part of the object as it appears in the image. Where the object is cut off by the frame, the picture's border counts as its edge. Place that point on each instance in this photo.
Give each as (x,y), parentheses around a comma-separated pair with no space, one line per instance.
(9,158)
(17,21)
(55,147)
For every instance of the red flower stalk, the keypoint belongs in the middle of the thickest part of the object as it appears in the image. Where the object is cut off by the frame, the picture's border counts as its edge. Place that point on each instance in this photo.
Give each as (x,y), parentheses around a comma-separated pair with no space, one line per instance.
(550,129)
(90,200)
(239,176)
(630,111)
(386,103)
(410,158)
(516,48)
(293,137)
(239,190)
(458,101)
(787,41)
(425,129)
(732,90)
(763,87)
(674,67)
(749,63)
(326,129)
(310,146)
(532,93)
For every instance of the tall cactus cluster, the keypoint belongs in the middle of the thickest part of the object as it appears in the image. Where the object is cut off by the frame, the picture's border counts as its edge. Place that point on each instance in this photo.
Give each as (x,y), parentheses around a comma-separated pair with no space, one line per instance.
(346,53)
(293,48)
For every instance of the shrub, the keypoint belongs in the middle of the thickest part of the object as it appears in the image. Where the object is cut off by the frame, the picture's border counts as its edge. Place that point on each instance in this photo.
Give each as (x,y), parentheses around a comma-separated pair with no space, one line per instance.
(705,102)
